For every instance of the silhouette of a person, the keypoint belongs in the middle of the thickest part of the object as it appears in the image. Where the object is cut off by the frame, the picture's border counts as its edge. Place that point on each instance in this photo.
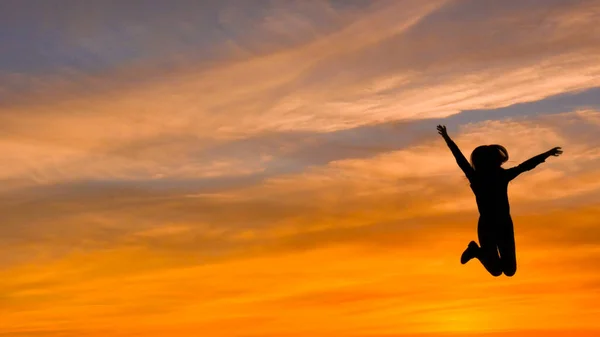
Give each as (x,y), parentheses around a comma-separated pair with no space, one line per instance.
(489,182)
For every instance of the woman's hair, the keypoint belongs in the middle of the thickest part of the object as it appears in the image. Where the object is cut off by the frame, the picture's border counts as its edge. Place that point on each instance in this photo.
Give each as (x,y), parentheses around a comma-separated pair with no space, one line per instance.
(487,157)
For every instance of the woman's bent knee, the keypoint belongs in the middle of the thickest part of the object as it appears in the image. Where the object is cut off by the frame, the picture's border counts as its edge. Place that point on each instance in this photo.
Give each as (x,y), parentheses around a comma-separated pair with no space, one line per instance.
(495,272)
(510,271)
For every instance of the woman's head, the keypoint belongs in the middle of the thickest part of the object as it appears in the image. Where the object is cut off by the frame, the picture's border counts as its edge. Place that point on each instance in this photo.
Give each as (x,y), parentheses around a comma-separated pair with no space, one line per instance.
(488,157)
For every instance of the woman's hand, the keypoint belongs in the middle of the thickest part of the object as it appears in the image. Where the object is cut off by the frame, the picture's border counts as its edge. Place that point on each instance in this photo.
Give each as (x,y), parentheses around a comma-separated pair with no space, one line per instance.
(555,152)
(442,131)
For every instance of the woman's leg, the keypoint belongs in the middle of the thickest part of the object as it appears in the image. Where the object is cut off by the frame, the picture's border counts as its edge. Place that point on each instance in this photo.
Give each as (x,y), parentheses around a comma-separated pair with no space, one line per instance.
(506,247)
(488,251)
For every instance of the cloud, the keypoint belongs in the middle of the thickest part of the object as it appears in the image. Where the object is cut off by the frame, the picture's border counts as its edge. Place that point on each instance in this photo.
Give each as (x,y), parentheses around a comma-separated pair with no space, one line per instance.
(357,75)
(360,200)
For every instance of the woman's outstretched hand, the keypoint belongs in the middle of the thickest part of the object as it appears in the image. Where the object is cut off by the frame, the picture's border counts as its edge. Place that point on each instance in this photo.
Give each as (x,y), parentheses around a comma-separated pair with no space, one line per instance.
(555,152)
(442,130)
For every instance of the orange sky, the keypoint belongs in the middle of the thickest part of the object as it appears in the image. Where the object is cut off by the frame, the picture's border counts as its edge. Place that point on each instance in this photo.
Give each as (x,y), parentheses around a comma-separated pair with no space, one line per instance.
(273,169)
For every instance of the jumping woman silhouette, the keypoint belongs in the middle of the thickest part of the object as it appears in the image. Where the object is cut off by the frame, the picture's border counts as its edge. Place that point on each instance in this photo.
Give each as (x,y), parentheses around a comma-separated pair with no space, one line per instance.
(489,182)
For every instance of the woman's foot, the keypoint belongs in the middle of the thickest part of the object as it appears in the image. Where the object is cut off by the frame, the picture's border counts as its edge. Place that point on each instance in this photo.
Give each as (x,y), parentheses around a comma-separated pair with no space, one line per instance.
(469,253)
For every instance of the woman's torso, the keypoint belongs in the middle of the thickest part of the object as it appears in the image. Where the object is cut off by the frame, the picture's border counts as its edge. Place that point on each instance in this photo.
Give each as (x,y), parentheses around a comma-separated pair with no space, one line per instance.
(491,193)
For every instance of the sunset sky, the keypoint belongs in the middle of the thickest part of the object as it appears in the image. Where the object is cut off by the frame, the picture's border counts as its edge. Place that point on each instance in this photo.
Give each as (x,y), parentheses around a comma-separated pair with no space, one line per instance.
(258,168)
